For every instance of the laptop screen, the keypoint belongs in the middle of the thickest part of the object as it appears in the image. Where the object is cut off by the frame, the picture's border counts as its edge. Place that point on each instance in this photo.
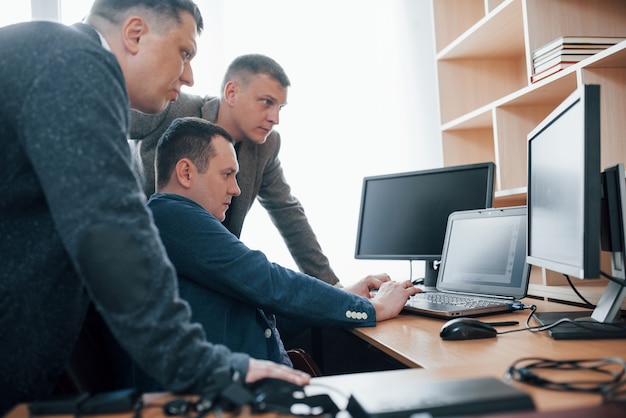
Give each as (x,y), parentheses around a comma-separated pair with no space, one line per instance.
(485,253)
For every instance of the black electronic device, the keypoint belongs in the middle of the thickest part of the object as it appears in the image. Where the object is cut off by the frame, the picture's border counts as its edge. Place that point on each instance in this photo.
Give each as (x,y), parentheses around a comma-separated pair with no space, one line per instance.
(85,404)
(573,207)
(439,398)
(58,404)
(467,329)
(403,216)
(112,402)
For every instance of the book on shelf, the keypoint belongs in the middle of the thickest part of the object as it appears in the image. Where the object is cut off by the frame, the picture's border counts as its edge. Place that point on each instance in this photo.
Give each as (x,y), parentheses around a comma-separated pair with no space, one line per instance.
(564,54)
(549,71)
(565,51)
(569,59)
(595,42)
(571,49)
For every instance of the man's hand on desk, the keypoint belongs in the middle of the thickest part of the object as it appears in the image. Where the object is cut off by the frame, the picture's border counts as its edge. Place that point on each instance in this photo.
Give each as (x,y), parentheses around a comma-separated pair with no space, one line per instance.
(365,286)
(259,369)
(391,298)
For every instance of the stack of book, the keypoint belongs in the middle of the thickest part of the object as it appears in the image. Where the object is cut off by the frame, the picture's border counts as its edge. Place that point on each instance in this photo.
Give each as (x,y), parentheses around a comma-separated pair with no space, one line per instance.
(566,51)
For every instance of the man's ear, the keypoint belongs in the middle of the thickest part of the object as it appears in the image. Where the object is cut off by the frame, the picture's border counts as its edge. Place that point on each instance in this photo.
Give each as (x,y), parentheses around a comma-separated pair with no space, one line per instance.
(133,29)
(230,91)
(184,172)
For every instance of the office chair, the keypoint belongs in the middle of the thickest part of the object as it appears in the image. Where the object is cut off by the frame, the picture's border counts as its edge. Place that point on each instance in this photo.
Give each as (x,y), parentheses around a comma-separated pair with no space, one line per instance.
(303,361)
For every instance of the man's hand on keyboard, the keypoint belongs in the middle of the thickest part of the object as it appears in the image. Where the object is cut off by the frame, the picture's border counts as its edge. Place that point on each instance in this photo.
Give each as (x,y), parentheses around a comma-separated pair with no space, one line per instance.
(391,298)
(365,286)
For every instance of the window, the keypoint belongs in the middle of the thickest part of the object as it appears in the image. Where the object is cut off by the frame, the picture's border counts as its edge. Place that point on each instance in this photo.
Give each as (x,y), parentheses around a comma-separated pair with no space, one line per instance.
(73,11)
(66,11)
(16,12)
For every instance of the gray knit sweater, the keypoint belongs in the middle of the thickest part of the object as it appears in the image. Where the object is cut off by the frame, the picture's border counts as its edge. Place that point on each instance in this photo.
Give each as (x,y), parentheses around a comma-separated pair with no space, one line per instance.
(73,225)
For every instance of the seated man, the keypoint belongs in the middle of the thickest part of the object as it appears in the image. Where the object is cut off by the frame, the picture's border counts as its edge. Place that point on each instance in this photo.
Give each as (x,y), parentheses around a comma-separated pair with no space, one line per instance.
(234,291)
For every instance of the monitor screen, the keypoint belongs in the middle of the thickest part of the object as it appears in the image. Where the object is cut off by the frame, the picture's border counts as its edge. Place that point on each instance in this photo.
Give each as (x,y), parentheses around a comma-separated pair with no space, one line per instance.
(404,216)
(564,187)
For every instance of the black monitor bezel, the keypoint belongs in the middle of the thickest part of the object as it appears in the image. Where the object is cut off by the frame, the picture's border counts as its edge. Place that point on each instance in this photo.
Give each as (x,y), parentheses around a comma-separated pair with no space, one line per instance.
(490,171)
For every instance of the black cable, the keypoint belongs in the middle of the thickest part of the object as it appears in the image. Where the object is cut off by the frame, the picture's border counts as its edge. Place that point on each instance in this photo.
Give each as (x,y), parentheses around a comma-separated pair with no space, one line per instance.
(522,370)
(618,394)
(589,304)
(590,325)
(620,282)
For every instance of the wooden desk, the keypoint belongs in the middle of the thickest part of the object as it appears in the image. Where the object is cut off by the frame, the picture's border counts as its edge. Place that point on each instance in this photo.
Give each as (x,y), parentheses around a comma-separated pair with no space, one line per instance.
(414,341)
(377,383)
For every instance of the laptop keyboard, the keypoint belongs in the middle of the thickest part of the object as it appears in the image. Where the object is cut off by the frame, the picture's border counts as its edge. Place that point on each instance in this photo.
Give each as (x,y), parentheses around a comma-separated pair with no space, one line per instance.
(456,300)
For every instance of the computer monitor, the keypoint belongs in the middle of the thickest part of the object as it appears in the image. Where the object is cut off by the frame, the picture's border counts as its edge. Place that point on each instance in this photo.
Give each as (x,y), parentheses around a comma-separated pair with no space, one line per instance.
(569,199)
(403,216)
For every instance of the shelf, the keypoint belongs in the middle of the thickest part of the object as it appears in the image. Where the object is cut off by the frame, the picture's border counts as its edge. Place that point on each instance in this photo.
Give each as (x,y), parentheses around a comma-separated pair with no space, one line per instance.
(552,91)
(520,191)
(479,42)
(466,85)
(613,57)
(549,19)
(566,294)
(453,17)
(480,118)
(487,101)
(468,146)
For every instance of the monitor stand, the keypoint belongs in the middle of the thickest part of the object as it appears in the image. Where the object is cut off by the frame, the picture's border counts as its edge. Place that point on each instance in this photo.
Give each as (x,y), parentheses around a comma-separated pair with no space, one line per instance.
(430,276)
(606,320)
(604,323)
(593,330)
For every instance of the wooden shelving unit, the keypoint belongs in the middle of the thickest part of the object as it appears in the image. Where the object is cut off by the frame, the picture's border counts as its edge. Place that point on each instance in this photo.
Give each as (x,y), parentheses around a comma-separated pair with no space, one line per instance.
(488,103)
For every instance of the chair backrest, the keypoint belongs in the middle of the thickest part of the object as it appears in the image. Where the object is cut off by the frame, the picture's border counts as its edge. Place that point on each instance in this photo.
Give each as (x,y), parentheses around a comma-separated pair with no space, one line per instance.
(303,361)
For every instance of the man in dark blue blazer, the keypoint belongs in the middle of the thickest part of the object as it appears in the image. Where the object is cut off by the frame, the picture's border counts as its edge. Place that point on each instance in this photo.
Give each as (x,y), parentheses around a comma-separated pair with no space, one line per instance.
(235,291)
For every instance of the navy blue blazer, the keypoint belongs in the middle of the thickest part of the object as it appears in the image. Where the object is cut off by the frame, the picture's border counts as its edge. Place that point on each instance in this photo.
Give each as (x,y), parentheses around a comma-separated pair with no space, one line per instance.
(234,291)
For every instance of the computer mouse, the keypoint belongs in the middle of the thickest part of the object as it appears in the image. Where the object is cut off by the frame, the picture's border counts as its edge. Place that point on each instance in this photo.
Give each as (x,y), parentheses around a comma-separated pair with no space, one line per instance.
(466,329)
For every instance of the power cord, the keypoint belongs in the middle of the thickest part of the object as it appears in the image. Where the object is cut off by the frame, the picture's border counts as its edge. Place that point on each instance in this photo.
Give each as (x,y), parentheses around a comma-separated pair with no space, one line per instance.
(579,323)
(614,279)
(589,304)
(613,368)
(620,282)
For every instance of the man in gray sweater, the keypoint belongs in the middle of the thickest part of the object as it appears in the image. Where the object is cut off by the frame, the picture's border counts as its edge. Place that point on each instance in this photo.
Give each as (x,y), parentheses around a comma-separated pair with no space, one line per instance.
(253,92)
(73,223)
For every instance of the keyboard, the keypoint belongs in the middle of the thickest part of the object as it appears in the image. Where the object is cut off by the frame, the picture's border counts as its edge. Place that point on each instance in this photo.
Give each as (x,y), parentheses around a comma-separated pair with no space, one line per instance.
(456,300)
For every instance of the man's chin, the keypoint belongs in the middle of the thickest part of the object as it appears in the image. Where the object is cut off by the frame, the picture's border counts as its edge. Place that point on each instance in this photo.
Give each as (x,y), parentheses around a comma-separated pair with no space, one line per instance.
(151,110)
(259,140)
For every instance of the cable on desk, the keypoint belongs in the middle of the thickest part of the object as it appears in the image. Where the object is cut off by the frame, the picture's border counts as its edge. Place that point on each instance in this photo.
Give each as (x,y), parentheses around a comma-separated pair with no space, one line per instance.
(581,324)
(523,370)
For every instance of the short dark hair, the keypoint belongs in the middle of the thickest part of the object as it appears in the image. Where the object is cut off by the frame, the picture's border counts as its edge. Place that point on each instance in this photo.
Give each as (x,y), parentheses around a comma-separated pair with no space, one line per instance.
(252,64)
(188,137)
(112,10)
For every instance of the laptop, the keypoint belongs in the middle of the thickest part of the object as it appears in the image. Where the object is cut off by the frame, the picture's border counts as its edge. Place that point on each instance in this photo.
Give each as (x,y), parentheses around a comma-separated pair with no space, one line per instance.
(483,266)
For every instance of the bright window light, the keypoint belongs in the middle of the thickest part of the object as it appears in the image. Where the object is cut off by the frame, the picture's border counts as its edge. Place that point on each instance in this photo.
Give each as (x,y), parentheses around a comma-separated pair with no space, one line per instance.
(73,11)
(16,12)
